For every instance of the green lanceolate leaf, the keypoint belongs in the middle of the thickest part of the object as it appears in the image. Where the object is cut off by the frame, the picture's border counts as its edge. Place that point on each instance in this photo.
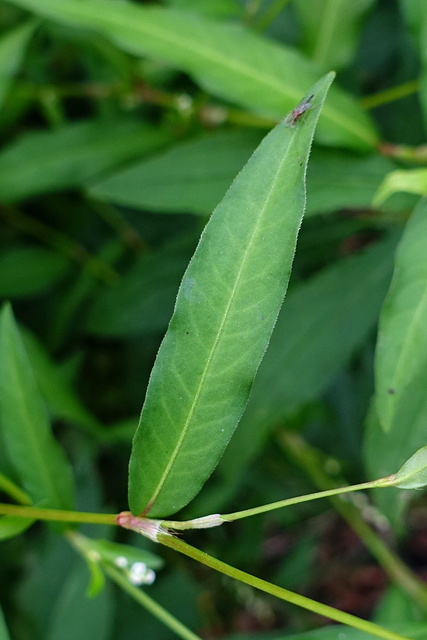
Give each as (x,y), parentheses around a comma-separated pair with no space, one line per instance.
(227,60)
(36,457)
(72,156)
(402,339)
(413,474)
(224,315)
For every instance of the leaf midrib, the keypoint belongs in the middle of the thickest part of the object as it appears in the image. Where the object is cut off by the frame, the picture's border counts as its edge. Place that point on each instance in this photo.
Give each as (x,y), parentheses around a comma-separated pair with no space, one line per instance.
(217,338)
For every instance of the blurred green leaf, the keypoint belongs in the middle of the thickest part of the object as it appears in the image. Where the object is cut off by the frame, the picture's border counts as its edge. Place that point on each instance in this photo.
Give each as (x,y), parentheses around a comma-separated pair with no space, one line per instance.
(110,551)
(12,48)
(13,491)
(34,453)
(122,431)
(4,634)
(226,308)
(178,592)
(402,336)
(11,526)
(411,181)
(330,29)
(60,398)
(97,577)
(415,15)
(413,474)
(396,607)
(70,312)
(322,323)
(74,615)
(226,59)
(28,271)
(340,180)
(72,156)
(142,300)
(192,176)
(215,8)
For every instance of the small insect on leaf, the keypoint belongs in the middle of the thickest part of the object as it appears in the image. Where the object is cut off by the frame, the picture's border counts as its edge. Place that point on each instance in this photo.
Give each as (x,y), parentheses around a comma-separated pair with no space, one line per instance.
(296,113)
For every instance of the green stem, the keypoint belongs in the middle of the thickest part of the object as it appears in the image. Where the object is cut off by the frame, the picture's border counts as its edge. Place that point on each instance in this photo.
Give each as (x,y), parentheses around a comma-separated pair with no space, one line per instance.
(279,592)
(57,515)
(308,459)
(13,490)
(216,519)
(383,482)
(148,603)
(390,95)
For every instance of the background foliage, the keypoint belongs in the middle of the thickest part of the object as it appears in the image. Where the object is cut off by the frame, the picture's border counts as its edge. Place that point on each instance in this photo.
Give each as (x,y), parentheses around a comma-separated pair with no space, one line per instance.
(122,125)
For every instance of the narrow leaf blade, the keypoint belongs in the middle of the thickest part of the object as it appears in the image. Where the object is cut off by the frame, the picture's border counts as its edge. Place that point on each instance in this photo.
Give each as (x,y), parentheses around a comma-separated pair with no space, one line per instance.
(72,156)
(36,456)
(402,339)
(224,315)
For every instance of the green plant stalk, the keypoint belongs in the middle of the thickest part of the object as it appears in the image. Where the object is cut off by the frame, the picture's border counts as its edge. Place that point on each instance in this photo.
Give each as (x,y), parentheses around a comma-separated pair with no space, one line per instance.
(149,604)
(82,545)
(278,592)
(374,484)
(174,543)
(398,572)
(390,95)
(217,519)
(57,515)
(13,490)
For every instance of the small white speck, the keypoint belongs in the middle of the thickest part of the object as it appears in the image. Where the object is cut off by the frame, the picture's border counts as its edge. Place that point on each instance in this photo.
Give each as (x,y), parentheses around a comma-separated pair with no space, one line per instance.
(140,574)
(121,562)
